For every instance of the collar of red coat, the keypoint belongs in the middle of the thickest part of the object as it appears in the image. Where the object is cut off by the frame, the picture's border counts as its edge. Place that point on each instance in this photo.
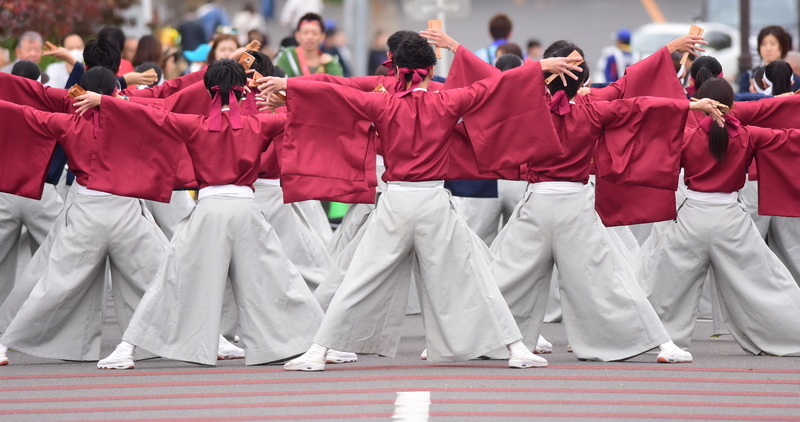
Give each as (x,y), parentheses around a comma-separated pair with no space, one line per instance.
(559,104)
(731,124)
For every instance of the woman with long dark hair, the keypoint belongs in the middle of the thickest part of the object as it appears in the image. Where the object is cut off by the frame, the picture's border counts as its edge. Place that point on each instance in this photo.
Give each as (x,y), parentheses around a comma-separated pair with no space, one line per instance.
(714,230)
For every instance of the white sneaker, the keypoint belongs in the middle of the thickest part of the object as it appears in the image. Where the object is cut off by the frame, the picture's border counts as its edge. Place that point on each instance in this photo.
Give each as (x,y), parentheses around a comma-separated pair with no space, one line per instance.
(521,357)
(543,346)
(3,355)
(335,356)
(312,360)
(228,351)
(424,355)
(236,339)
(670,353)
(122,358)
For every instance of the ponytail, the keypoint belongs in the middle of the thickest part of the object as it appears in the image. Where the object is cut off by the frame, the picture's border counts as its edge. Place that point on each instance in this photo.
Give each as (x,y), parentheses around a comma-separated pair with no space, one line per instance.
(720,90)
(780,74)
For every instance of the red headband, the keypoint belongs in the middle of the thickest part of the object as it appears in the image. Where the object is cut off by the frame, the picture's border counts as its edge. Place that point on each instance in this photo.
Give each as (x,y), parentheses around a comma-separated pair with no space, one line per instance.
(389,64)
(416,79)
(215,112)
(321,26)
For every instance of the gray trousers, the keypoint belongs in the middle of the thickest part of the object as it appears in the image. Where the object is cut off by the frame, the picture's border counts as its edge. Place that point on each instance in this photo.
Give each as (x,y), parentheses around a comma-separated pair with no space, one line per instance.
(302,244)
(463,312)
(62,317)
(225,240)
(17,212)
(314,215)
(759,300)
(169,215)
(605,313)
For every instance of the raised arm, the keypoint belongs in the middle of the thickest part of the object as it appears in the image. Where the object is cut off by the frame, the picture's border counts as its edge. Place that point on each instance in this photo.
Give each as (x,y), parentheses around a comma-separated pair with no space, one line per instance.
(19,90)
(168,87)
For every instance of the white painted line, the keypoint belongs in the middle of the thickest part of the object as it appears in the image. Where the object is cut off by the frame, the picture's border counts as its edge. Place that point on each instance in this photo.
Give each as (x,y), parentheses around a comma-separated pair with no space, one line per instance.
(412,406)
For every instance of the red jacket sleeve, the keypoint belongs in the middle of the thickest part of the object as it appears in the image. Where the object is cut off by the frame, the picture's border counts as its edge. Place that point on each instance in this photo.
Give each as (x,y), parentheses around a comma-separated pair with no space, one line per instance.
(168,87)
(23,91)
(777,155)
(466,69)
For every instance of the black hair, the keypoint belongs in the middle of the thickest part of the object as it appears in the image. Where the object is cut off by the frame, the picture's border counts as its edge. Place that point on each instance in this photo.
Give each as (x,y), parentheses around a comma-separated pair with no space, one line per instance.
(26,69)
(102,51)
(100,80)
(508,61)
(758,77)
(314,18)
(115,33)
(780,74)
(720,90)
(226,74)
(290,41)
(563,49)
(500,26)
(150,65)
(510,48)
(414,53)
(704,68)
(262,63)
(394,40)
(784,40)
(534,43)
(278,72)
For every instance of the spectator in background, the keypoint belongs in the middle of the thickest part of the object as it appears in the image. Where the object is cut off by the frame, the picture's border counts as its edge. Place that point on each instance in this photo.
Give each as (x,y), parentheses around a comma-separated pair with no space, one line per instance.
(150,49)
(377,54)
(534,51)
(263,38)
(618,57)
(293,10)
(222,47)
(129,49)
(28,47)
(192,33)
(773,44)
(5,57)
(793,58)
(59,71)
(118,36)
(336,45)
(268,8)
(508,48)
(169,64)
(500,30)
(247,20)
(211,15)
(307,58)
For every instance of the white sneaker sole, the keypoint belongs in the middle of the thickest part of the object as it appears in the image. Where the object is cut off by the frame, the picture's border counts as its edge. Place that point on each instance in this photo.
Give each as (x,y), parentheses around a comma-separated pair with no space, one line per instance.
(662,359)
(306,366)
(520,363)
(121,365)
(538,351)
(341,358)
(228,357)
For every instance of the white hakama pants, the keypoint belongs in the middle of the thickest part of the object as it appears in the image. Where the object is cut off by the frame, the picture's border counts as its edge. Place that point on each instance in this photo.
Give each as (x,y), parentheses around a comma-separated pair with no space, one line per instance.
(463,312)
(351,224)
(169,215)
(225,238)
(62,316)
(605,313)
(17,212)
(482,215)
(759,300)
(301,243)
(314,214)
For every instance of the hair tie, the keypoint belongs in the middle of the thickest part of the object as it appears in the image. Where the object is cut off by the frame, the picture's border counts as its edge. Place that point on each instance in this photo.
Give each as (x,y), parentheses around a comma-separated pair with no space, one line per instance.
(389,64)
(418,75)
(559,104)
(215,112)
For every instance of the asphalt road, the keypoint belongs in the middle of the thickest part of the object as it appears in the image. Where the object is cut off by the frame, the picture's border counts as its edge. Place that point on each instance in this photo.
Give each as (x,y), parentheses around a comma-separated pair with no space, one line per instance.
(724,383)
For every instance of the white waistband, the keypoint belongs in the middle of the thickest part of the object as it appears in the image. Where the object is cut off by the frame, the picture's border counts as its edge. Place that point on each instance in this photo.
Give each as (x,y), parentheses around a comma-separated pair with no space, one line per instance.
(555,187)
(269,182)
(413,186)
(378,160)
(714,197)
(226,190)
(83,190)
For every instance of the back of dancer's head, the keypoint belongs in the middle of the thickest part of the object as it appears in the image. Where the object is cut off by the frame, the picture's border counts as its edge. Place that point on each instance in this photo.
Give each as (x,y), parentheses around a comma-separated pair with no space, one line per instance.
(398,37)
(114,33)
(758,79)
(100,80)
(508,61)
(780,74)
(226,74)
(703,69)
(262,63)
(720,90)
(563,49)
(414,53)
(102,51)
(144,67)
(26,69)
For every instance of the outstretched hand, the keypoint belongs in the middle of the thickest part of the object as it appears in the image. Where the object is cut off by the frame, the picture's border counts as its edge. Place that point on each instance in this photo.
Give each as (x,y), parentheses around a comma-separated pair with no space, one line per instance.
(562,66)
(271,84)
(440,39)
(686,44)
(86,102)
(709,106)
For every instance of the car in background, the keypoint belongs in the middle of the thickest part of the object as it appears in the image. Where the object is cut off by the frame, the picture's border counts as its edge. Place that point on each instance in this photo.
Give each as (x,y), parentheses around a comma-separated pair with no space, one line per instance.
(723,42)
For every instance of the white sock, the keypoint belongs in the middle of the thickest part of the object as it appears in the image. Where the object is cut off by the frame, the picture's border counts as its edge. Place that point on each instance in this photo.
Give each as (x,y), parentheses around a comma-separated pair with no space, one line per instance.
(316,351)
(667,346)
(517,348)
(126,348)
